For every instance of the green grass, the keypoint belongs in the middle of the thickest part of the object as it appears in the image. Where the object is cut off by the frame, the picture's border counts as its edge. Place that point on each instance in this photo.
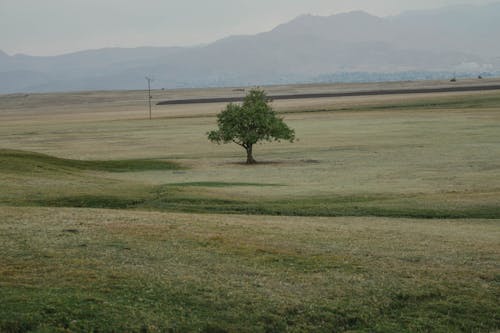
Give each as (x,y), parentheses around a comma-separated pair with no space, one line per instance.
(81,270)
(89,201)
(184,197)
(175,201)
(219,184)
(18,161)
(169,198)
(458,103)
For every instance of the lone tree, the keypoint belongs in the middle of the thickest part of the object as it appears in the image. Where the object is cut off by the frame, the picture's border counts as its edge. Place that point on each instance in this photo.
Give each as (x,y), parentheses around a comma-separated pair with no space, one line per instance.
(249,123)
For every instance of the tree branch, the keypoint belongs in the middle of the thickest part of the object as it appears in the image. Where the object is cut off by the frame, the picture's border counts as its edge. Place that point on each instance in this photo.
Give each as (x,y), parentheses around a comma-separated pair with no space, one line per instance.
(239,143)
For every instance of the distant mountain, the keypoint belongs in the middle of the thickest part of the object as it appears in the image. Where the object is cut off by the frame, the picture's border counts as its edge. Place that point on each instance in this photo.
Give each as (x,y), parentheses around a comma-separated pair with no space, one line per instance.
(460,39)
(463,28)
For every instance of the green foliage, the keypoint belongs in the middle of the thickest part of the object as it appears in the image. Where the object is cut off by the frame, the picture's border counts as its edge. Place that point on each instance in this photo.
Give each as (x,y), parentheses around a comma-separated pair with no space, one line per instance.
(249,123)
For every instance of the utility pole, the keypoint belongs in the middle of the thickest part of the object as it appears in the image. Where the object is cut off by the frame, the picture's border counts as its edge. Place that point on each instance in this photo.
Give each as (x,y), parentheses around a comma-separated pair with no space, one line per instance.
(149,94)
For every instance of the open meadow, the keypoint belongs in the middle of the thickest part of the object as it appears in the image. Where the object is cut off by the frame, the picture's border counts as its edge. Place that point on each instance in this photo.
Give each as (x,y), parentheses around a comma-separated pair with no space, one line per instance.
(384,216)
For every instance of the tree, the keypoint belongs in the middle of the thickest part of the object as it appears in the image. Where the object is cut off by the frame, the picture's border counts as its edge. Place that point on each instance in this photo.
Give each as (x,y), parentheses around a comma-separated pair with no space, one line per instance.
(249,123)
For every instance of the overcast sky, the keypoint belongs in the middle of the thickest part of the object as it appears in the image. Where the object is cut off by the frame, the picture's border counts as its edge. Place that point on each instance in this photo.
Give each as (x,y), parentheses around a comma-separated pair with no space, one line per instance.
(48,27)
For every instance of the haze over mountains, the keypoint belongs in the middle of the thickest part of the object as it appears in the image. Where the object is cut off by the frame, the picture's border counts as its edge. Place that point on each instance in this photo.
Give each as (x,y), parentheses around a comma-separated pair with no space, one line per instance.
(344,47)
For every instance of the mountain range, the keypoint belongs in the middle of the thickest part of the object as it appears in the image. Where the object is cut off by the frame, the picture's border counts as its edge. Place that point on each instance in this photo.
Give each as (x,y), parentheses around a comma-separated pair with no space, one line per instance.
(348,46)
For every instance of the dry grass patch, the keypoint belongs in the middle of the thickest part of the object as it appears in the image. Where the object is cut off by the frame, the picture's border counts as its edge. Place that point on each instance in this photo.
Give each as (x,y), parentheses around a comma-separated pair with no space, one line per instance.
(241,273)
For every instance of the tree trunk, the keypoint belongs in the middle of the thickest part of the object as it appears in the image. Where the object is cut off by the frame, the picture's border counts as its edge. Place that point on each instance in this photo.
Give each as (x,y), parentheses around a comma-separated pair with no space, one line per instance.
(250,159)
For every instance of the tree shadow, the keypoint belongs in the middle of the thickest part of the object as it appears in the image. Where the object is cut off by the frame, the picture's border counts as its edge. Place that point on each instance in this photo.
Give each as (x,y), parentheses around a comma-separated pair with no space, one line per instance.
(266,163)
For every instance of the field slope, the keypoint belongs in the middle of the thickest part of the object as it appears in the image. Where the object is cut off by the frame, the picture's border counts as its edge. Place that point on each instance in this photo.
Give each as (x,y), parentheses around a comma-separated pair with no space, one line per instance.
(383,217)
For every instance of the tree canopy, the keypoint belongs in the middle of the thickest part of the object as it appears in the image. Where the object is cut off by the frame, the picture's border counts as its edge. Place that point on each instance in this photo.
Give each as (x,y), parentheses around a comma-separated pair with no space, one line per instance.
(249,123)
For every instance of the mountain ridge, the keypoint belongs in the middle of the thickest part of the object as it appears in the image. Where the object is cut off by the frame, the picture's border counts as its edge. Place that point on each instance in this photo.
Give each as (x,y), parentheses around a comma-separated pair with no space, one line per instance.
(301,50)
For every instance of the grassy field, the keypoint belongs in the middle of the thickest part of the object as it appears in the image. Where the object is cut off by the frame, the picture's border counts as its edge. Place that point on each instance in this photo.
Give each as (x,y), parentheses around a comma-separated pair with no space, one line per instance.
(82,269)
(384,216)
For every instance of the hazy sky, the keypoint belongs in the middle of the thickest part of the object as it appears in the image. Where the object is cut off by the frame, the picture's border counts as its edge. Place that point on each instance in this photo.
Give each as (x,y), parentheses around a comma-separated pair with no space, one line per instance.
(48,27)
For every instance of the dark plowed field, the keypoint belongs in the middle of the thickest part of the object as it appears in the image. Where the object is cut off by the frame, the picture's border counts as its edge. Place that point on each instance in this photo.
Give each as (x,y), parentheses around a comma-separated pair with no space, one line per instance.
(337,94)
